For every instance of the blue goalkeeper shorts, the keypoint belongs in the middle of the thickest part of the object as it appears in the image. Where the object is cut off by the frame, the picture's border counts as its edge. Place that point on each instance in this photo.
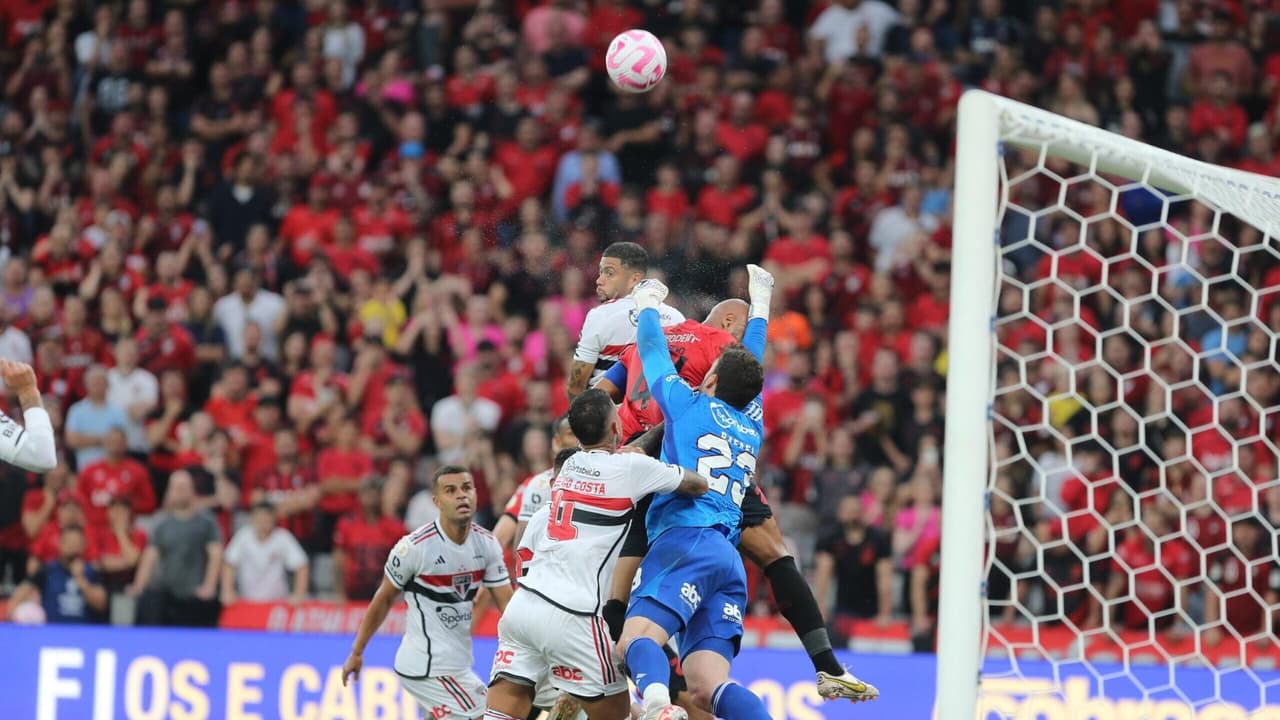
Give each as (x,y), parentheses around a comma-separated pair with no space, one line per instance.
(693,584)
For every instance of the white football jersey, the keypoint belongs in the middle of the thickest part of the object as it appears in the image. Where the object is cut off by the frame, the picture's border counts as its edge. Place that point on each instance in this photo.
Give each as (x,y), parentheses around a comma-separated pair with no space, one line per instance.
(610,327)
(535,532)
(31,447)
(535,494)
(592,505)
(440,580)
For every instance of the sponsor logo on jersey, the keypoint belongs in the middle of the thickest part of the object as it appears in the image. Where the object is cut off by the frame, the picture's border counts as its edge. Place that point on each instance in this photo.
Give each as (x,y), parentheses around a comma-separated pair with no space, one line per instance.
(439,559)
(503,657)
(731,612)
(567,673)
(635,582)
(450,617)
(402,548)
(440,712)
(689,593)
(633,315)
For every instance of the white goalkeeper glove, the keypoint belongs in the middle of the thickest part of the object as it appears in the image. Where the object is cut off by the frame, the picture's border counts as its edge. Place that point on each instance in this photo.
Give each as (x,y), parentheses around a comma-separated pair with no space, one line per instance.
(760,290)
(649,294)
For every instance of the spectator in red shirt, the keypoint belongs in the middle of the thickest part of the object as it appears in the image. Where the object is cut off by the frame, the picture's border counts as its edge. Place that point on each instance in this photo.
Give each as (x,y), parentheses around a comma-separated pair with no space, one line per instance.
(469,87)
(289,485)
(231,405)
(668,197)
(739,135)
(340,470)
(801,258)
(114,476)
(528,163)
(169,286)
(345,255)
(163,344)
(62,257)
(723,201)
(1218,112)
(363,538)
(308,227)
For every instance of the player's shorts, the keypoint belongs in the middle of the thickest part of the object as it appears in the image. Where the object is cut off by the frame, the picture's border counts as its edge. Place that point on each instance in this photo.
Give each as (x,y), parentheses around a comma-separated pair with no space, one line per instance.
(458,695)
(696,575)
(537,641)
(755,511)
(755,508)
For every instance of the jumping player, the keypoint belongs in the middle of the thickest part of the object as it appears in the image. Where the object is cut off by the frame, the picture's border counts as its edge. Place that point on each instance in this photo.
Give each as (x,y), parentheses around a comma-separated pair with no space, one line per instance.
(611,326)
(555,624)
(533,487)
(694,348)
(438,568)
(691,582)
(31,447)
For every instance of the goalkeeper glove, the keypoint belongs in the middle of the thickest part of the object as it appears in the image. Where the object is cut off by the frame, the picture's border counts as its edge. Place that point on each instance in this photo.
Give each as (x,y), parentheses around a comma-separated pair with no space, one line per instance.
(649,294)
(760,290)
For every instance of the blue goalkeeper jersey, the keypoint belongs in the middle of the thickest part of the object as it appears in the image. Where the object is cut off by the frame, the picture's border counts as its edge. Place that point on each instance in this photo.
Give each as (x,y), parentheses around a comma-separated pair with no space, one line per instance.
(702,434)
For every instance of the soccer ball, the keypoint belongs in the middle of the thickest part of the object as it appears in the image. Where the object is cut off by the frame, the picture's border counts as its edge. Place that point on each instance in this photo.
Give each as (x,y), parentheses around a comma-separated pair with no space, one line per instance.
(636,61)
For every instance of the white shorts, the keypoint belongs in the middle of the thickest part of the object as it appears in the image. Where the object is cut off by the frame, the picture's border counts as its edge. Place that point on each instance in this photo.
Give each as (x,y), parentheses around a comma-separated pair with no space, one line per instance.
(538,642)
(460,695)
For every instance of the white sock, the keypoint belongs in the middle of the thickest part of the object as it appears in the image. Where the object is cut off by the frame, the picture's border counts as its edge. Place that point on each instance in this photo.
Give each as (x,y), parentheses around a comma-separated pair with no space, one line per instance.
(657,695)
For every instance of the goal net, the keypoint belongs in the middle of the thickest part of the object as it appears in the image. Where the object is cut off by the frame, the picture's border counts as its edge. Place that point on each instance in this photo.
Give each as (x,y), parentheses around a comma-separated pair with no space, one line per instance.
(1111,505)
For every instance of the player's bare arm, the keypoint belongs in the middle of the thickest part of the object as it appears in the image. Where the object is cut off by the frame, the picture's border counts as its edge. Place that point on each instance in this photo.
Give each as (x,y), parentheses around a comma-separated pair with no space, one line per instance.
(383,600)
(579,377)
(692,484)
(651,441)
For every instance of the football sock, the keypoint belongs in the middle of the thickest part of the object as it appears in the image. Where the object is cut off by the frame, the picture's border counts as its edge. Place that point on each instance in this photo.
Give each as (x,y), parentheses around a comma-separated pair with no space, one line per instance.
(797,604)
(615,614)
(648,666)
(731,701)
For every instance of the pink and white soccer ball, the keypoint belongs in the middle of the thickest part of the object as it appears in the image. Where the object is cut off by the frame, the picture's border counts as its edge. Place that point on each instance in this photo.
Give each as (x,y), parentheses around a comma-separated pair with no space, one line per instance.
(28,613)
(636,61)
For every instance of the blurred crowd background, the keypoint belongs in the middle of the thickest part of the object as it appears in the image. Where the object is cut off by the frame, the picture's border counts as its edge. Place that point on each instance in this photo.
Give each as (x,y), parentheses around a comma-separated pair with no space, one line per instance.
(275,260)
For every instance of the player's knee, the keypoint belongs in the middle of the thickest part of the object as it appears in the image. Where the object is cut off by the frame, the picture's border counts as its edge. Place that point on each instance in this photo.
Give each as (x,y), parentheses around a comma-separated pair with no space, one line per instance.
(764,544)
(700,693)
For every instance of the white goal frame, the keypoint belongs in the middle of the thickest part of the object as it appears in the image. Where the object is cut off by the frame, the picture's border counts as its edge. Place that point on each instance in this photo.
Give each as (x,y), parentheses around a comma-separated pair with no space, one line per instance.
(985,122)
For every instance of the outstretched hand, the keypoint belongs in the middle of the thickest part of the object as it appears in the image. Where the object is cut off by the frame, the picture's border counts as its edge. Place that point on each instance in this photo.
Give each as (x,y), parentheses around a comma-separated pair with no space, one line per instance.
(649,294)
(760,290)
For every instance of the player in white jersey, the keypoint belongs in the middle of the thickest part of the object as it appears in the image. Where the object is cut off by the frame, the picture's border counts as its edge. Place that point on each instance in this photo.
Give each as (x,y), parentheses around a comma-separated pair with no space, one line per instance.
(31,447)
(555,627)
(439,568)
(505,529)
(611,326)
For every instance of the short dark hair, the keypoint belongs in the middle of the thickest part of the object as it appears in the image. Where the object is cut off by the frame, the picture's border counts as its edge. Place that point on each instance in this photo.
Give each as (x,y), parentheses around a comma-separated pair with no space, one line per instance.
(739,377)
(562,457)
(588,416)
(631,255)
(447,470)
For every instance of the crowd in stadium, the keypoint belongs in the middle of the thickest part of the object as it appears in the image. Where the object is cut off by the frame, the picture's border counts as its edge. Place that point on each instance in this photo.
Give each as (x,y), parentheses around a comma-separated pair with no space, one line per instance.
(275,260)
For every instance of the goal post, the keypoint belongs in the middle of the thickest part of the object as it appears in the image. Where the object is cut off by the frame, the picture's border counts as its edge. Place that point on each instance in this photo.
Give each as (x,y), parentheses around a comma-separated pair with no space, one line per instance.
(1042,224)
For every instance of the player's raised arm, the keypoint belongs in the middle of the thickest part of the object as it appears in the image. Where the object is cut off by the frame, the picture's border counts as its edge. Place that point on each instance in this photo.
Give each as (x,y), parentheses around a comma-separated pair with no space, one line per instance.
(760,290)
(614,381)
(31,447)
(668,390)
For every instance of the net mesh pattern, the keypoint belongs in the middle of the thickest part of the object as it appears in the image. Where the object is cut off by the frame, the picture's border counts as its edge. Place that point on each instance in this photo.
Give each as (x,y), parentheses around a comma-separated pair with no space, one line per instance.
(1133,501)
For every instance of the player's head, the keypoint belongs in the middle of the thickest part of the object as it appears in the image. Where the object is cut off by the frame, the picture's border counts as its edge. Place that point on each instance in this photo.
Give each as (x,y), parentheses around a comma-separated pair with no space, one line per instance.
(562,457)
(454,491)
(622,267)
(594,418)
(562,435)
(731,316)
(737,377)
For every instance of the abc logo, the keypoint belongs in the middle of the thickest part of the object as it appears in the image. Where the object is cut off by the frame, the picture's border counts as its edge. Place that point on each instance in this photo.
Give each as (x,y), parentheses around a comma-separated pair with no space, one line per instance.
(567,673)
(503,657)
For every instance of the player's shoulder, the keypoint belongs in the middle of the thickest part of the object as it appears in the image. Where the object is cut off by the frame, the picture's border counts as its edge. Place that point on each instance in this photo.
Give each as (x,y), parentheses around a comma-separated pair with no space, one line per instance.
(606,311)
(422,535)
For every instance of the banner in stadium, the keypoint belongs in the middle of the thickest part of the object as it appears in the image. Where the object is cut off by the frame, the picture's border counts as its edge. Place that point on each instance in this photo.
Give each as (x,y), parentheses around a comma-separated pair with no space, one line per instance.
(88,673)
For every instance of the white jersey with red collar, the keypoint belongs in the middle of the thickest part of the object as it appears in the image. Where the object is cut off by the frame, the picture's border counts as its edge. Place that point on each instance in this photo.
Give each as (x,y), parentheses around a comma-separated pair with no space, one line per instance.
(535,494)
(610,327)
(574,550)
(440,579)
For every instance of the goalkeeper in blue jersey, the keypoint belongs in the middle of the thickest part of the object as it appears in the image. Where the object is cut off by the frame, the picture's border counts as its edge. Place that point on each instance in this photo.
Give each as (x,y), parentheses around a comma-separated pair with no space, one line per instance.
(692,581)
